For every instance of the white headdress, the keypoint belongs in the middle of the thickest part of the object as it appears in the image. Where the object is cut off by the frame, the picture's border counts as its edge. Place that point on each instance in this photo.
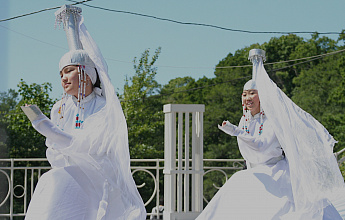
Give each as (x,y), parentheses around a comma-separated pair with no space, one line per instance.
(307,145)
(100,149)
(250,85)
(79,58)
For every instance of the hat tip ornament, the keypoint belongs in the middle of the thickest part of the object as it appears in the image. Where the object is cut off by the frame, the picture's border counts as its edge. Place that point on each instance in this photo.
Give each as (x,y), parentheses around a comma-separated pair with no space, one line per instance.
(70,16)
(255,54)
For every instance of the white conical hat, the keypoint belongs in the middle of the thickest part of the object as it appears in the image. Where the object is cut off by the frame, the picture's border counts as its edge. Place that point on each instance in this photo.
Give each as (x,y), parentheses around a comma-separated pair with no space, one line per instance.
(70,16)
(250,85)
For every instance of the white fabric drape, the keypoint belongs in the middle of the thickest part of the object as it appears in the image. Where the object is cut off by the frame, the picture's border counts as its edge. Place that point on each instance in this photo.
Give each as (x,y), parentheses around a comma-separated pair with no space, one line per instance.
(98,153)
(100,149)
(308,146)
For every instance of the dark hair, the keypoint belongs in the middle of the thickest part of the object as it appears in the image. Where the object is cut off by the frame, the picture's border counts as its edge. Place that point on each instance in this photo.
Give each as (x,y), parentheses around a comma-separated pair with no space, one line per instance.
(98,81)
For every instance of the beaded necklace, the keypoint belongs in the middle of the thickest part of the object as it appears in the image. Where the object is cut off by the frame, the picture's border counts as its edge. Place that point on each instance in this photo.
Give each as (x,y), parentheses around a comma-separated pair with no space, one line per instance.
(247,116)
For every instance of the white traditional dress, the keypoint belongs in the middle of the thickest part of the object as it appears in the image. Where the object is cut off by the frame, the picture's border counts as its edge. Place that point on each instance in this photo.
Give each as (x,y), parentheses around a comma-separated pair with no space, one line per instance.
(66,191)
(263,191)
(296,187)
(87,142)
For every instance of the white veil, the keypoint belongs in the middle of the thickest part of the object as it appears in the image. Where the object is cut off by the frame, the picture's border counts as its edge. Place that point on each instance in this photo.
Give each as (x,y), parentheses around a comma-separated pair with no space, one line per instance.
(101,150)
(308,147)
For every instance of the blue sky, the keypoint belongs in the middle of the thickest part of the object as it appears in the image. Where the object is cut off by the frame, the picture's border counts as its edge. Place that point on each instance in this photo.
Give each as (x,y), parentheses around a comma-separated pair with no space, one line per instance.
(30,47)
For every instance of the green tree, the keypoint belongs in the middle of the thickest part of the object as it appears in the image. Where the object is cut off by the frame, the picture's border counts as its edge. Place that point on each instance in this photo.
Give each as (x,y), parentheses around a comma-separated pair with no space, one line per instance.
(338,94)
(315,93)
(23,140)
(143,113)
(176,91)
(223,102)
(291,47)
(8,101)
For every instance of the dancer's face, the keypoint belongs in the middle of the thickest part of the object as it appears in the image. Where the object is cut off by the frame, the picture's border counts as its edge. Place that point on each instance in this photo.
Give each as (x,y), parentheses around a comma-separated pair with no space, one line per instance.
(70,80)
(250,99)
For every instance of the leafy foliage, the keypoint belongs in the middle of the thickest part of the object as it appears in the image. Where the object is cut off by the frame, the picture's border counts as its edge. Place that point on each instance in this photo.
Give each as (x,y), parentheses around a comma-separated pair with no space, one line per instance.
(316,85)
(8,101)
(144,117)
(23,140)
(143,114)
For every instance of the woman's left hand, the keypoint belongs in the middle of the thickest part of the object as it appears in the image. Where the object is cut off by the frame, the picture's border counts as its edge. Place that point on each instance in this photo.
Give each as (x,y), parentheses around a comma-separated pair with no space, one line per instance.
(32,111)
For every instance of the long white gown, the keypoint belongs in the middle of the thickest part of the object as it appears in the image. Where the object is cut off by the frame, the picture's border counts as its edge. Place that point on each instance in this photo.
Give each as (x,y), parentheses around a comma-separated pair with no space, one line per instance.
(69,191)
(263,191)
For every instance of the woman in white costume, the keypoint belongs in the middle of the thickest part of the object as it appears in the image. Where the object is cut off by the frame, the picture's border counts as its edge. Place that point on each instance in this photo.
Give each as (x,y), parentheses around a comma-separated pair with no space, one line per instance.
(292,172)
(86,139)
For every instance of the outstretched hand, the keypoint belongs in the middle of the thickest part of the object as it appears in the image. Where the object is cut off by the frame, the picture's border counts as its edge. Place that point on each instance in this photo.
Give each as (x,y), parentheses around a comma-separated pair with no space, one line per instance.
(228,128)
(32,111)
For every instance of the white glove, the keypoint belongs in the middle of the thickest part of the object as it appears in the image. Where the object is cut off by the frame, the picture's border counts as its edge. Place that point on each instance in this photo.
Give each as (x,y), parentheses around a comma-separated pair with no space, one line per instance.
(229,128)
(46,127)
(32,111)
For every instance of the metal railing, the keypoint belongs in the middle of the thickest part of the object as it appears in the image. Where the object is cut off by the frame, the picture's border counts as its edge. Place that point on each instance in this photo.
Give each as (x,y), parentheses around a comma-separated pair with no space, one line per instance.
(18,178)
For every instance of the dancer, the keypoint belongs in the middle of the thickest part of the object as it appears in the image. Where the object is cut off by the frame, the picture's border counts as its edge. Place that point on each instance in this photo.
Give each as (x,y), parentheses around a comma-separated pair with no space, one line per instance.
(86,139)
(292,172)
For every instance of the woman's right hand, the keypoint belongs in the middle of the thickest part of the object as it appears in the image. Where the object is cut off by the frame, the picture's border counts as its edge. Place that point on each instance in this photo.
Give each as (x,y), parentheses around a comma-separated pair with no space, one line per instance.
(228,128)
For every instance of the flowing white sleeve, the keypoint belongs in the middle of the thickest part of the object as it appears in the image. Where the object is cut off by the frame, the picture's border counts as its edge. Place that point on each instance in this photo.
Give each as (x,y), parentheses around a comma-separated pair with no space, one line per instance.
(256,142)
(53,134)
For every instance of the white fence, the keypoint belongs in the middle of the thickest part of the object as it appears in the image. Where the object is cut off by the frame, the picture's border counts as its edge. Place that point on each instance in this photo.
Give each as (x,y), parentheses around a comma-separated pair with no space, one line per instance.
(183,161)
(18,178)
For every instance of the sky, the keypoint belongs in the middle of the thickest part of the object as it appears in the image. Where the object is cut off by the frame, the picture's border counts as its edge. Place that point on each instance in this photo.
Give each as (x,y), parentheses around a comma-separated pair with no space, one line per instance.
(31,47)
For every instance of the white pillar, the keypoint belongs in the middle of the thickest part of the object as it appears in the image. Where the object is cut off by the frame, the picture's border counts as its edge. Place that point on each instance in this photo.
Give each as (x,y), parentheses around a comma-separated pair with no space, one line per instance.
(183,161)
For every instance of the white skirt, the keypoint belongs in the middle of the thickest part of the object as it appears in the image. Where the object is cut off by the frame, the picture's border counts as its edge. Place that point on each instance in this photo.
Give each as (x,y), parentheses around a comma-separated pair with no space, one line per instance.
(59,196)
(259,193)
